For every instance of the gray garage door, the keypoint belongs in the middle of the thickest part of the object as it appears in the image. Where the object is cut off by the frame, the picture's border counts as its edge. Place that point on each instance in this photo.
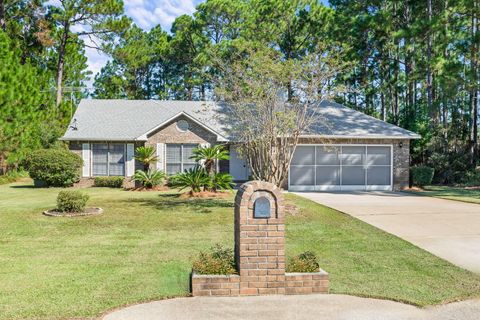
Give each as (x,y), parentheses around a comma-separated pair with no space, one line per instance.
(341,167)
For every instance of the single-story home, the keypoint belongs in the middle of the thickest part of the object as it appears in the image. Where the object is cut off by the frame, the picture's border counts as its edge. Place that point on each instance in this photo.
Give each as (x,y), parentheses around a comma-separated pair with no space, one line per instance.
(347,150)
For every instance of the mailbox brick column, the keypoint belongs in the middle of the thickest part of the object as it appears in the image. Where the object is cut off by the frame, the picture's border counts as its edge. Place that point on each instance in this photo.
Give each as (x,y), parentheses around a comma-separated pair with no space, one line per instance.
(260,242)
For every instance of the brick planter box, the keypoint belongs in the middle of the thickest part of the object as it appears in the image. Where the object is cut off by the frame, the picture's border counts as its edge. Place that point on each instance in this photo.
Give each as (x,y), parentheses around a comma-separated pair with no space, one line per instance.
(229,285)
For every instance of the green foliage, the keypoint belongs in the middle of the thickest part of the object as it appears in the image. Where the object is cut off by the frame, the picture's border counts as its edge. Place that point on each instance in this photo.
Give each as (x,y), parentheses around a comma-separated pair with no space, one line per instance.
(55,167)
(221,181)
(109,182)
(219,260)
(146,155)
(150,178)
(210,155)
(304,262)
(422,175)
(196,179)
(12,176)
(71,201)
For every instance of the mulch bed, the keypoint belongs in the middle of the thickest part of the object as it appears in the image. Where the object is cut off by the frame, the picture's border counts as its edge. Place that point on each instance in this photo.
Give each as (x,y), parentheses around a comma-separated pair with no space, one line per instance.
(87,212)
(204,195)
(157,188)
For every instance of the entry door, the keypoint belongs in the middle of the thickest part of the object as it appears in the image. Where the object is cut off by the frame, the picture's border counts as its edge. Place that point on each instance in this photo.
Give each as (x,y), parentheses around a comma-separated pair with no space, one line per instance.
(238,166)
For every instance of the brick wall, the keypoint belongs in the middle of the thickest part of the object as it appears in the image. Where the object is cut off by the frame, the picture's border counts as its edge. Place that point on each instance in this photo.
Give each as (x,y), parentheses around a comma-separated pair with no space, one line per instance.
(215,285)
(305,283)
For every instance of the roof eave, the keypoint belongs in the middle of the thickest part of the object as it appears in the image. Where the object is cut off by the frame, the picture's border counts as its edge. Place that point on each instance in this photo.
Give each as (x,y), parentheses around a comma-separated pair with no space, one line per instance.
(412,137)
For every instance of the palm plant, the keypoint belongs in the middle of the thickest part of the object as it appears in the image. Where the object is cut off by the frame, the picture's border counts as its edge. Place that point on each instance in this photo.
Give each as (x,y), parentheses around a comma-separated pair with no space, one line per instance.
(210,155)
(222,181)
(147,156)
(150,178)
(195,179)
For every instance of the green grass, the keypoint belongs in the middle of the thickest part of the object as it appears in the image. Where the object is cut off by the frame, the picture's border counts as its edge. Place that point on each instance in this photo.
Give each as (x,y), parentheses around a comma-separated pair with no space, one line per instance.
(451,193)
(141,249)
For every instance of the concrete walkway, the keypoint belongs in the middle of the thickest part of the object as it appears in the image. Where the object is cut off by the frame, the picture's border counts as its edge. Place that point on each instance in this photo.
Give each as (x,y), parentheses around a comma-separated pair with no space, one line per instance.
(332,307)
(446,228)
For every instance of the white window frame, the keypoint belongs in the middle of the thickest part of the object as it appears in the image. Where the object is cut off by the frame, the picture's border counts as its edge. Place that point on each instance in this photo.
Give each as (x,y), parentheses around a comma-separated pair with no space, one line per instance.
(342,187)
(181,156)
(108,159)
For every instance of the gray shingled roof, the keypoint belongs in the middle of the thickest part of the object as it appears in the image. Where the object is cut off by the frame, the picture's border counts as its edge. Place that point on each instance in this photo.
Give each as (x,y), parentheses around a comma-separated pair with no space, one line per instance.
(129,120)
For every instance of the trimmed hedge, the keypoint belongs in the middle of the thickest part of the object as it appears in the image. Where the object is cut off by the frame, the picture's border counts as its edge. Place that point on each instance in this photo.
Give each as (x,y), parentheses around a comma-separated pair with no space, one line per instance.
(71,201)
(422,175)
(304,262)
(109,182)
(55,167)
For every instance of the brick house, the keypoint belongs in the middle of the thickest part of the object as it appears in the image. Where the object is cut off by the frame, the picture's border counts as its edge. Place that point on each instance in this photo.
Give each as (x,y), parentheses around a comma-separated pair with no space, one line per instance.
(348,150)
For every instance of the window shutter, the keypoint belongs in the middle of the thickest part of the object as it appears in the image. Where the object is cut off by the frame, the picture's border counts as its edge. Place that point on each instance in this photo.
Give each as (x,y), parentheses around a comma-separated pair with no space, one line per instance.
(161,156)
(86,159)
(130,159)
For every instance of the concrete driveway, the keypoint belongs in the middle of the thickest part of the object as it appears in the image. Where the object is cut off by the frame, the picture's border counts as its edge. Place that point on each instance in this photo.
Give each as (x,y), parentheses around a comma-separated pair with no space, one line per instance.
(446,228)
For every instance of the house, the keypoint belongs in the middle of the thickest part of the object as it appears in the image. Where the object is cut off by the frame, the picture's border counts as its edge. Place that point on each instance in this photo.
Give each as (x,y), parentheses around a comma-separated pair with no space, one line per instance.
(347,150)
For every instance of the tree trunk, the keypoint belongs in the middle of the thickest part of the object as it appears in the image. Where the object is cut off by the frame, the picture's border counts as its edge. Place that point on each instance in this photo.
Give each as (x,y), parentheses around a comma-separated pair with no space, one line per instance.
(433,113)
(474,88)
(3,24)
(61,62)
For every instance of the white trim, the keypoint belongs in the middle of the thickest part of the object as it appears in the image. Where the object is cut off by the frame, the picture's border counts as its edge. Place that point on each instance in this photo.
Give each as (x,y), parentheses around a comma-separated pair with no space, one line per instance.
(86,157)
(182,113)
(341,187)
(161,157)
(130,160)
(333,136)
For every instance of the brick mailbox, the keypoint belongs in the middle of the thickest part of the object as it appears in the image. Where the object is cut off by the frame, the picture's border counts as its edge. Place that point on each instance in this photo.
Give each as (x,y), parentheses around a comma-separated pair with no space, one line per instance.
(259,250)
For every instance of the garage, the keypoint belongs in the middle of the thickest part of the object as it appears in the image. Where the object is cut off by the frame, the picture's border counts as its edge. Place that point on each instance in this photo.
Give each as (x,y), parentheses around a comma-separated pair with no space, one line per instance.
(341,167)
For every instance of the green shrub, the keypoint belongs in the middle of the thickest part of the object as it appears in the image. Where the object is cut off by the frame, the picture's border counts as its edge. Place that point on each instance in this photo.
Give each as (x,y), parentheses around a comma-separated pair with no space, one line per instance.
(12,176)
(71,201)
(304,262)
(195,179)
(471,178)
(221,181)
(422,175)
(109,182)
(218,260)
(55,167)
(150,178)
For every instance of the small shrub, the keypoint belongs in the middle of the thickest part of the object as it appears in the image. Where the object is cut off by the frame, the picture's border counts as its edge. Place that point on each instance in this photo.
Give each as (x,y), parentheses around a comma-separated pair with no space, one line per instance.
(71,201)
(218,260)
(55,167)
(109,182)
(147,156)
(422,175)
(195,179)
(12,176)
(222,181)
(304,262)
(472,178)
(150,178)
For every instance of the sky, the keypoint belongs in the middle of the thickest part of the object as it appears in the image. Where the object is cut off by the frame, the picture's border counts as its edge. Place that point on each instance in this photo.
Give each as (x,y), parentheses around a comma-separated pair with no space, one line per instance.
(146,14)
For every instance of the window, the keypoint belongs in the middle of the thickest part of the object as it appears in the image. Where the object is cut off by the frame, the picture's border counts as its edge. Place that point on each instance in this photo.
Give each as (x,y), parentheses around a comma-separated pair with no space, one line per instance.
(108,159)
(178,157)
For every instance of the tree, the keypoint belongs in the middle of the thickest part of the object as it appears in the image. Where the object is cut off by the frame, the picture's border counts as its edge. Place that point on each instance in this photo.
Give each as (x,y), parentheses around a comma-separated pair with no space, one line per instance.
(97,20)
(263,117)
(210,156)
(147,156)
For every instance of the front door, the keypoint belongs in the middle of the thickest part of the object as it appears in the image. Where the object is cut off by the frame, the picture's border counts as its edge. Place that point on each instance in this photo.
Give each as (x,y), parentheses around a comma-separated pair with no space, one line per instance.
(238,166)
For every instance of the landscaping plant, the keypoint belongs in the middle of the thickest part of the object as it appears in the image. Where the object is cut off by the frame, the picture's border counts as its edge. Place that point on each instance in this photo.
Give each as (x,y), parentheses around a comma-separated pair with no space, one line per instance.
(221,181)
(149,178)
(196,179)
(304,262)
(219,260)
(422,175)
(109,182)
(147,156)
(54,167)
(71,201)
(209,156)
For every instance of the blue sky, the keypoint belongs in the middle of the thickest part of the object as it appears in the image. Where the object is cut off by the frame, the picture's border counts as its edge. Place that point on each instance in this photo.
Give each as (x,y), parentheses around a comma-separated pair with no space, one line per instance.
(146,14)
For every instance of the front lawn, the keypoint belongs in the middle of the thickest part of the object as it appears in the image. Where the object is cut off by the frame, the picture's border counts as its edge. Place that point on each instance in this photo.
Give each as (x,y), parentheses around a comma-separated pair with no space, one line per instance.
(451,193)
(141,248)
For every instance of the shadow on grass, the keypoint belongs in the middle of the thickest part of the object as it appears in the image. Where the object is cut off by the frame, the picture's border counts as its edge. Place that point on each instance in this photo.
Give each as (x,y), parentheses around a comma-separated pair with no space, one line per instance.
(26,187)
(173,201)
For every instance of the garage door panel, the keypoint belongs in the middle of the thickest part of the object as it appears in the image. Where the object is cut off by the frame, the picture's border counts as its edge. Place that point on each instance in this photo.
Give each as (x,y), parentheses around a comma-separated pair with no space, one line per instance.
(328,155)
(378,176)
(304,155)
(302,176)
(378,155)
(353,176)
(328,175)
(353,156)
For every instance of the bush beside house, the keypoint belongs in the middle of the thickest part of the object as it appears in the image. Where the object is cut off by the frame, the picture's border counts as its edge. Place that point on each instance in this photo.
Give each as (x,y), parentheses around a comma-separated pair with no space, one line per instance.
(422,175)
(109,182)
(54,167)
